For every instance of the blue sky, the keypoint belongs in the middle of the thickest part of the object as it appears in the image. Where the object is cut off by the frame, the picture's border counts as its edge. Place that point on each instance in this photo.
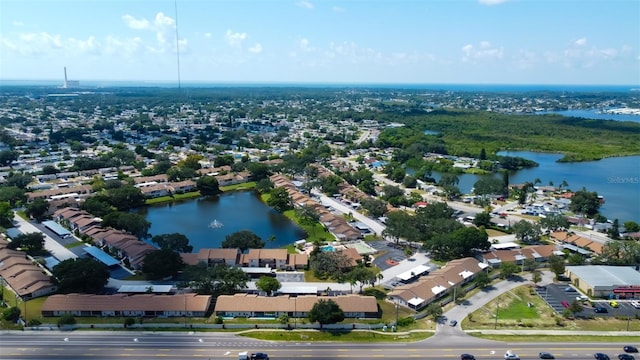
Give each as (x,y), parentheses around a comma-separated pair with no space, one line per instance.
(324,41)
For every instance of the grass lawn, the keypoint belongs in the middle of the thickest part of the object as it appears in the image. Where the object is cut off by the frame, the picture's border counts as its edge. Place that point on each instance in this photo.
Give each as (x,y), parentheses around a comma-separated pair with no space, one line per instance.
(345,336)
(74,244)
(492,232)
(243,186)
(514,313)
(174,197)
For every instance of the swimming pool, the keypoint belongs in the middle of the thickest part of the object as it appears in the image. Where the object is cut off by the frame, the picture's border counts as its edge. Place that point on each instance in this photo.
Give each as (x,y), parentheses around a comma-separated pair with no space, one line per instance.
(328,248)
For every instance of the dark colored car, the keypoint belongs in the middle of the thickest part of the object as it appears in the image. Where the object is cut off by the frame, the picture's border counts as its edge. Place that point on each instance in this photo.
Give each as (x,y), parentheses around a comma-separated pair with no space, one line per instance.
(259,356)
(600,309)
(630,349)
(601,356)
(453,322)
(625,357)
(546,355)
(467,357)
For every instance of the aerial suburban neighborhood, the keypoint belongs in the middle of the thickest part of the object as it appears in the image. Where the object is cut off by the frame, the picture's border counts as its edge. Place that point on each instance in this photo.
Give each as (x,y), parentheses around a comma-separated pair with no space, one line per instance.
(120,212)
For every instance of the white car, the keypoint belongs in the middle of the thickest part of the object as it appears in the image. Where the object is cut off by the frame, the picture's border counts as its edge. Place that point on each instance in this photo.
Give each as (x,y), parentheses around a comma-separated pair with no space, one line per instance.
(635,304)
(510,355)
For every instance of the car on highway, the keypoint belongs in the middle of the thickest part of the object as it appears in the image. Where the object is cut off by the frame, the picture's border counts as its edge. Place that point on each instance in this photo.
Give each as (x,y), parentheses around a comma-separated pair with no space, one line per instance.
(259,356)
(510,355)
(546,355)
(601,356)
(467,357)
(625,357)
(630,349)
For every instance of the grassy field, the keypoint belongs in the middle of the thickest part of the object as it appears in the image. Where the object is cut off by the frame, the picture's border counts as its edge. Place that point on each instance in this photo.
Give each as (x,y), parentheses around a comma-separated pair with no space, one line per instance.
(244,186)
(174,197)
(343,336)
(559,338)
(514,313)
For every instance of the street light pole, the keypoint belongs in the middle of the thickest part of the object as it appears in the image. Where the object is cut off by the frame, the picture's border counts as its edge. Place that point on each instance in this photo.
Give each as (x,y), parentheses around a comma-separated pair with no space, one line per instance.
(495,325)
(295,310)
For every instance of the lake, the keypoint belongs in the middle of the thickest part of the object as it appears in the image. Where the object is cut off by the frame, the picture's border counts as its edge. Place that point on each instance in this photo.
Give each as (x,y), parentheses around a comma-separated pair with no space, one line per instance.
(616,178)
(593,114)
(207,220)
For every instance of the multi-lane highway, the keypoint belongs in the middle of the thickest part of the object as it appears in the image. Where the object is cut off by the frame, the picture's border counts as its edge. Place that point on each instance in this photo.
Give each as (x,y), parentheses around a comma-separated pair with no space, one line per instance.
(140,345)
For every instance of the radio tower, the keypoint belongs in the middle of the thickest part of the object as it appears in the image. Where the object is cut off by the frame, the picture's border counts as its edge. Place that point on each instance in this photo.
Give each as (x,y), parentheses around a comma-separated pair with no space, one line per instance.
(66,83)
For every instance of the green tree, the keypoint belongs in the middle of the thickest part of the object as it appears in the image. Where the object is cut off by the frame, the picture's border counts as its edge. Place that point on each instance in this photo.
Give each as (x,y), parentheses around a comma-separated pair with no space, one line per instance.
(308,215)
(66,319)
(280,200)
(362,275)
(97,205)
(268,284)
(614,231)
(536,276)
(81,275)
(31,243)
(374,207)
(128,322)
(585,202)
(208,185)
(526,231)
(162,263)
(6,215)
(11,314)
(326,312)
(192,161)
(37,209)
(134,224)
(410,182)
(554,222)
(7,157)
(329,265)
(259,171)
(556,263)
(219,279)
(175,241)
(507,269)
(12,194)
(576,307)
(488,185)
(243,240)
(434,311)
(126,197)
(482,219)
(631,226)
(482,279)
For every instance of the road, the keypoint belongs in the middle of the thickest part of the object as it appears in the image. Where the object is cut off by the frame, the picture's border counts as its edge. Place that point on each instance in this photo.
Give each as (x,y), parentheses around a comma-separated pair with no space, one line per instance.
(140,345)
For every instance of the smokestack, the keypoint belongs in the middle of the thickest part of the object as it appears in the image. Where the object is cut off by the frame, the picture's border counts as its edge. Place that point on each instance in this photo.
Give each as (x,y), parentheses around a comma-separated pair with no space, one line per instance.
(65,78)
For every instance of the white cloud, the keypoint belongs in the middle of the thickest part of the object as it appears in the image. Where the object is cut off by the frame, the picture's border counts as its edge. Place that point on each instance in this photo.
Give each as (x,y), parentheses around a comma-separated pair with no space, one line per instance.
(581,42)
(338,9)
(484,51)
(492,2)
(305,4)
(235,39)
(208,35)
(256,49)
(136,24)
(17,23)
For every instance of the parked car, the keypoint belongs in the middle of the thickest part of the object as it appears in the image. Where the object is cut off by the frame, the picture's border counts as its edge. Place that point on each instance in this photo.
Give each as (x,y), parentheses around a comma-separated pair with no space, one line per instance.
(546,355)
(625,357)
(467,357)
(510,355)
(635,304)
(601,356)
(630,349)
(600,309)
(582,298)
(453,322)
(614,304)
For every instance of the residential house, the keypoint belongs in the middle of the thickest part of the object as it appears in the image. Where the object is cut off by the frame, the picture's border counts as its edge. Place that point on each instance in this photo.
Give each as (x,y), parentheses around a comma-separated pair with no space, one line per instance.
(125,305)
(251,305)
(230,257)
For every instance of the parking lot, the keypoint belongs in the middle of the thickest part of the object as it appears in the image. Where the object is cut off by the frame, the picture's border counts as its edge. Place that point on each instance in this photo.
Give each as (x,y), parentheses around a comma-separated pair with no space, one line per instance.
(560,296)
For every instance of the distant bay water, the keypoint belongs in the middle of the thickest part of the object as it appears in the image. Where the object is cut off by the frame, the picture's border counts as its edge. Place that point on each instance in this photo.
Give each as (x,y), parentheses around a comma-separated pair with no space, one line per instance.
(616,178)
(594,114)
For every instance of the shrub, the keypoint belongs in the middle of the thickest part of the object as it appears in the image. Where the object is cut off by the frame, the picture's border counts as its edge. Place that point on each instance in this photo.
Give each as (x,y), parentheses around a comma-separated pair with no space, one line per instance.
(219,320)
(11,314)
(66,319)
(34,322)
(406,321)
